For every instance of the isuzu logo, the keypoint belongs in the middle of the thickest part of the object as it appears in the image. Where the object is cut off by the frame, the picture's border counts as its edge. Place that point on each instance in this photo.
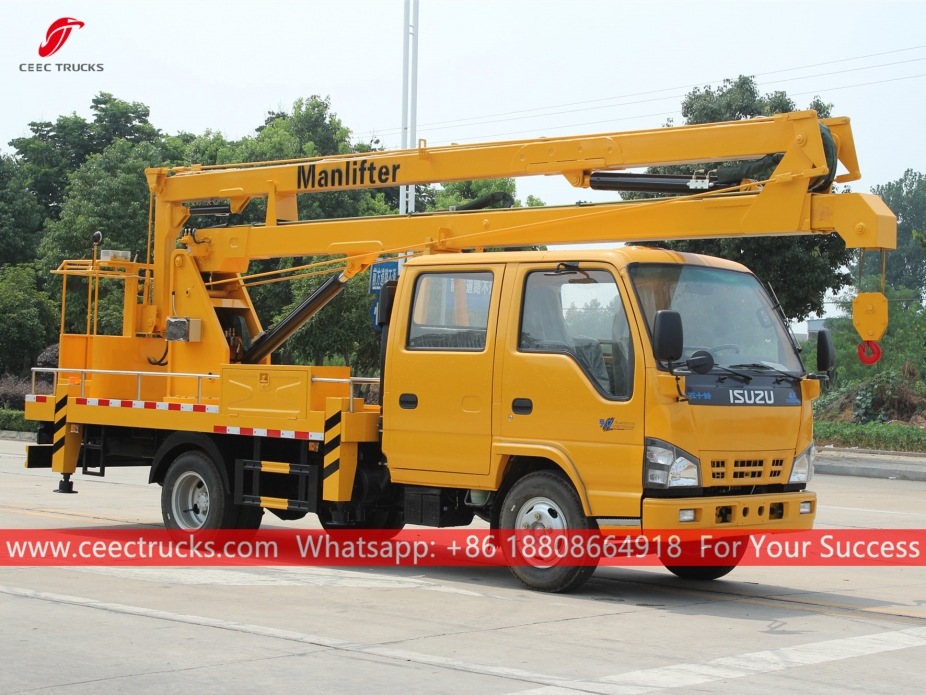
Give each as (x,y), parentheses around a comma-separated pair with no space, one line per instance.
(752,396)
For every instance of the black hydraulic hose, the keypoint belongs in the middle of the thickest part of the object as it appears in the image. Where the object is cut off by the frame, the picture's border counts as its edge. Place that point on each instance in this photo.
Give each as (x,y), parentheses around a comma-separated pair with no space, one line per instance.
(269,341)
(487,200)
(162,361)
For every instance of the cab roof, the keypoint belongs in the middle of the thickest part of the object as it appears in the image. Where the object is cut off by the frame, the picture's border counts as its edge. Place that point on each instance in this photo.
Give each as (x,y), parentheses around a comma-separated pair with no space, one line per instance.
(620,256)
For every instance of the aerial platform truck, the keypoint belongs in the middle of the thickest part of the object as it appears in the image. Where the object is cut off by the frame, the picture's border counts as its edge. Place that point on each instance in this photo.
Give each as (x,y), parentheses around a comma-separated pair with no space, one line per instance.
(635,388)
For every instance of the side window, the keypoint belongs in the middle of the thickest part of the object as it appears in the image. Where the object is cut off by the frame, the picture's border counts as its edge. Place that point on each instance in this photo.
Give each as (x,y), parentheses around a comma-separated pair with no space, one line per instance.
(450,311)
(580,312)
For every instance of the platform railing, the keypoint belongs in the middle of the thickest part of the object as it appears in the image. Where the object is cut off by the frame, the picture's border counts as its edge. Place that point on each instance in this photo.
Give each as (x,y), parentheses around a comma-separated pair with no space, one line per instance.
(353,381)
(116,372)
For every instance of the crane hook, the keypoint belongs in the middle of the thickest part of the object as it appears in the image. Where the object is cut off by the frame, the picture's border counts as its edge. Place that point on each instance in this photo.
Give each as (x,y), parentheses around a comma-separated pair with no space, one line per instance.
(864,355)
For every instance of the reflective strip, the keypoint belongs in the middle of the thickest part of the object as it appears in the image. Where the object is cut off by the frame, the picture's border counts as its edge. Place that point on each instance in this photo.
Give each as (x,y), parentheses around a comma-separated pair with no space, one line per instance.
(148,405)
(619,521)
(274,467)
(36,399)
(275,434)
(274,503)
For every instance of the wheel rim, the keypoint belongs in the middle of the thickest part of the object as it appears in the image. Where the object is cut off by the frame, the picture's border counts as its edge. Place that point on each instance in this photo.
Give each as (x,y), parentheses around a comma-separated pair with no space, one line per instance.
(190,501)
(539,516)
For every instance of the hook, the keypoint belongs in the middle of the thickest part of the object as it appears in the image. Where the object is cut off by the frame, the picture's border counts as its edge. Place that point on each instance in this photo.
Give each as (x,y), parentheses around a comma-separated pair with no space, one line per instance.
(863,352)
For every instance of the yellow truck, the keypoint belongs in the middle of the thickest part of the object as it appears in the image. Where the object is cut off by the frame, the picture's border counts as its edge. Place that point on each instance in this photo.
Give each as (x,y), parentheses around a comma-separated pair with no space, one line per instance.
(634,388)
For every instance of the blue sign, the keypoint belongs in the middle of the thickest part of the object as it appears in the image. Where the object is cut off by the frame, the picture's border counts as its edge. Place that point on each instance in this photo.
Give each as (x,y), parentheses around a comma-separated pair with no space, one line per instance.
(381,273)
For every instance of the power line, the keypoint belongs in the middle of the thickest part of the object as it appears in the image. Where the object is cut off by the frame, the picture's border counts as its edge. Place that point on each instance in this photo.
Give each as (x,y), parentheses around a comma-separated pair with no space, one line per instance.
(643,101)
(667,113)
(658,91)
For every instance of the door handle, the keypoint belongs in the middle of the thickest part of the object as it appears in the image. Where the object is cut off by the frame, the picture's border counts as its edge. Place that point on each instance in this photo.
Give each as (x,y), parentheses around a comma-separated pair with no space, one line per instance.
(409,401)
(522,406)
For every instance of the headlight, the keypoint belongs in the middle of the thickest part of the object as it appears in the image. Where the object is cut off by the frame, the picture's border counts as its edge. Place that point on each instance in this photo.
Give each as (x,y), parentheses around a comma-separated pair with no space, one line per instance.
(802,470)
(666,466)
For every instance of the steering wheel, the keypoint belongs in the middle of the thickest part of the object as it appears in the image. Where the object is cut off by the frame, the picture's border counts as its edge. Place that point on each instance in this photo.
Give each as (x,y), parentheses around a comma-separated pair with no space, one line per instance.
(726,346)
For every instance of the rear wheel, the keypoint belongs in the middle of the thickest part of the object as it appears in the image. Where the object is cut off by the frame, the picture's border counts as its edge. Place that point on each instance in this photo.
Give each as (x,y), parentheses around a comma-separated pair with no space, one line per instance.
(539,502)
(249,517)
(194,497)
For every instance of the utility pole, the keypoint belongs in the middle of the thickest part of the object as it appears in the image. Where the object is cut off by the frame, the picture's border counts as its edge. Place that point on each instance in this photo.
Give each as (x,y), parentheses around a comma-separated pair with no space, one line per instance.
(409,107)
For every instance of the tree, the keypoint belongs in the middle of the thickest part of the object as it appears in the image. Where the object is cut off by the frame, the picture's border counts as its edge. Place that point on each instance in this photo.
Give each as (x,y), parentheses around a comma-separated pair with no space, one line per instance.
(55,150)
(341,331)
(801,269)
(20,215)
(109,194)
(906,266)
(30,320)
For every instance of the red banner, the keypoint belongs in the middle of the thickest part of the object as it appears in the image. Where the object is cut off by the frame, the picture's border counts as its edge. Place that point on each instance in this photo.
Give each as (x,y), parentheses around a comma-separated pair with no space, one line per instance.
(460,547)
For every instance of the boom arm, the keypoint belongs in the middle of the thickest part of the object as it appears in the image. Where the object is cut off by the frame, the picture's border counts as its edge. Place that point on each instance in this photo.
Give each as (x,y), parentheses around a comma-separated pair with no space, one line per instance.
(783,205)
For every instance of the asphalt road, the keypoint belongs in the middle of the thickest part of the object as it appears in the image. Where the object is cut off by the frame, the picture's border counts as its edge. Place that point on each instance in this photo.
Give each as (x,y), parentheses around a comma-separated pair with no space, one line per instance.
(448,630)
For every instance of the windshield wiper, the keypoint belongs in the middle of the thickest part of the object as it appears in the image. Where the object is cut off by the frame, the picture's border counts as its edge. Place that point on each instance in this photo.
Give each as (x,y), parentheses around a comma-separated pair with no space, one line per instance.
(745,377)
(759,365)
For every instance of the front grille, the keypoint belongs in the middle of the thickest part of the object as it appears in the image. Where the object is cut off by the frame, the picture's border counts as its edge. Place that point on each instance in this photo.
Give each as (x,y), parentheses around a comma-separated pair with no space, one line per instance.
(748,468)
(744,467)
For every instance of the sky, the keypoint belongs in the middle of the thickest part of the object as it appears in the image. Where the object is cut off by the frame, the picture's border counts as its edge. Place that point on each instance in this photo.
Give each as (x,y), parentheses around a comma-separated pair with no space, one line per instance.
(487,70)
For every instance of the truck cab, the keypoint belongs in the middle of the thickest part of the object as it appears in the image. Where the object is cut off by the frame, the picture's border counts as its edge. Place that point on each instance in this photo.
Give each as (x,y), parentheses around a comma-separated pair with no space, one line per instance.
(505,364)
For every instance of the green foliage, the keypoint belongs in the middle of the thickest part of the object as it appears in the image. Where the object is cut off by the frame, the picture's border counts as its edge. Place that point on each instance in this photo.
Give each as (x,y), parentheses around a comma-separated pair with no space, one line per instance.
(906,265)
(800,269)
(20,214)
(886,397)
(341,333)
(30,320)
(874,435)
(15,421)
(109,194)
(55,150)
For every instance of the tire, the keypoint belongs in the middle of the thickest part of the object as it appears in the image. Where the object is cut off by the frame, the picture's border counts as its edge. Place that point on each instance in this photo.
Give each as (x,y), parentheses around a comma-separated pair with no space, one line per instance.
(194,497)
(249,517)
(552,496)
(701,574)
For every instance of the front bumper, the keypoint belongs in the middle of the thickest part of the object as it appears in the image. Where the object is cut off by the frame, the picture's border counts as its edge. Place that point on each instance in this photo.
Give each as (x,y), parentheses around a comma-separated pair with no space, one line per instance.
(777,510)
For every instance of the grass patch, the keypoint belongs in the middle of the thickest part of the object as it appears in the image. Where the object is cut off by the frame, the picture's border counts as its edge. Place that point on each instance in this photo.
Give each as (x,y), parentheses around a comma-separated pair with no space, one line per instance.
(872,435)
(16,421)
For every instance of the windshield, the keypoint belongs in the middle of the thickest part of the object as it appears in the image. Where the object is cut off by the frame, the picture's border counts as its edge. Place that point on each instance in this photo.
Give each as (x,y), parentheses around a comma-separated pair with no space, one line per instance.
(723,311)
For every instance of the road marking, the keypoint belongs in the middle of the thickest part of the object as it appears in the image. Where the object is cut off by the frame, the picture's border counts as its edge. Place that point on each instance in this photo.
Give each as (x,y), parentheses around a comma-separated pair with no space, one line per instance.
(58,514)
(641,682)
(277,576)
(823,607)
(689,675)
(289,635)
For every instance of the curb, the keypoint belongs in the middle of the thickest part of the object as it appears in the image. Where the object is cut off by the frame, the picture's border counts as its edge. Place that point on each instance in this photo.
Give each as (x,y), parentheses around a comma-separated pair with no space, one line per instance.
(17,436)
(871,470)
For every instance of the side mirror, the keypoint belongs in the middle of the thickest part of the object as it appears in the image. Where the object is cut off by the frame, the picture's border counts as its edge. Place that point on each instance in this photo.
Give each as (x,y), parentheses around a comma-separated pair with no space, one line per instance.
(826,353)
(668,340)
(386,299)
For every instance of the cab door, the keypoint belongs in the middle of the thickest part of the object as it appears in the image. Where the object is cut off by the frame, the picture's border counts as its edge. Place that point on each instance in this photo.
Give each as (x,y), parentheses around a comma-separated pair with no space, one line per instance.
(437,405)
(572,379)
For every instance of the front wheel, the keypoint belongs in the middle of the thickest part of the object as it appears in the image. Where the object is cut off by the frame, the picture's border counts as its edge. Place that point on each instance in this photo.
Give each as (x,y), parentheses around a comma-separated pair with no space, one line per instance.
(702,573)
(542,502)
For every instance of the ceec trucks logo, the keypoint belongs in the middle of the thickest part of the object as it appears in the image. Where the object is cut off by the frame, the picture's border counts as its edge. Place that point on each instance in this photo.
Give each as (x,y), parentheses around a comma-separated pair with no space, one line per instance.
(55,38)
(57,34)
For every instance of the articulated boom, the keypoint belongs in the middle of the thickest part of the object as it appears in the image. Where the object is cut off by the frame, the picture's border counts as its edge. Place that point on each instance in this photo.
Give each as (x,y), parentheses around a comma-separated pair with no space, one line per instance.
(200,280)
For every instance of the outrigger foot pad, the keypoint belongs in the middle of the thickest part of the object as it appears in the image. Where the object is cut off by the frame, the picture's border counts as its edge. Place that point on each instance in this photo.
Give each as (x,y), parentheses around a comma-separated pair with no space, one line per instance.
(66,485)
